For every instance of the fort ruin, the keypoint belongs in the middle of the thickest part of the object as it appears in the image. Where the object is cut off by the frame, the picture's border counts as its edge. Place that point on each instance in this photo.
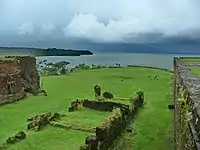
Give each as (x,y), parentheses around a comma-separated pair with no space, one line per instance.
(186,112)
(18,75)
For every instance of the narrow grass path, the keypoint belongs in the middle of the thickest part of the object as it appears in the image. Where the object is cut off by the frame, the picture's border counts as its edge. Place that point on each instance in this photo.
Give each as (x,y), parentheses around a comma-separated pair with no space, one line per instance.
(153,125)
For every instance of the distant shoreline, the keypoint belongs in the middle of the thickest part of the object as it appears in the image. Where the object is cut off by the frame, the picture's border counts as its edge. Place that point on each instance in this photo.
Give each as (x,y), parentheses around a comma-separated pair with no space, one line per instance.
(141,52)
(42,52)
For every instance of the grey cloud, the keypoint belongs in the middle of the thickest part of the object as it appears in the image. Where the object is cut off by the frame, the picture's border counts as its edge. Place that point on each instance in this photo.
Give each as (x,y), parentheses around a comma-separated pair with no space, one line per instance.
(104,21)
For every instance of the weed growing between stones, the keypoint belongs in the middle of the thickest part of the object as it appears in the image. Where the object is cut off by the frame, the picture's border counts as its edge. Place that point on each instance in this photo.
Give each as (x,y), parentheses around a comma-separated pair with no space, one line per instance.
(186,115)
(184,136)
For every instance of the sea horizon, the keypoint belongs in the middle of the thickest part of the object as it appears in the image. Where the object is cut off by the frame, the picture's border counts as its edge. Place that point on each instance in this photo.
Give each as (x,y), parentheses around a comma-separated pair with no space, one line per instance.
(164,61)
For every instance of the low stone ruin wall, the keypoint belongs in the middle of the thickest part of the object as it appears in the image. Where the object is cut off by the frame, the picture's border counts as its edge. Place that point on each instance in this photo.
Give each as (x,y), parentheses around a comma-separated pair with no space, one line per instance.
(103,106)
(13,139)
(39,121)
(36,123)
(96,105)
(6,99)
(112,126)
(187,106)
(75,105)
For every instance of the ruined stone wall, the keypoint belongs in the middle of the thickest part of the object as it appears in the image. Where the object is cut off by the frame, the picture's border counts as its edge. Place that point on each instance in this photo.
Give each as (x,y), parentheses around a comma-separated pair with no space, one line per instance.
(16,74)
(112,126)
(11,88)
(103,106)
(10,83)
(29,73)
(187,107)
(8,66)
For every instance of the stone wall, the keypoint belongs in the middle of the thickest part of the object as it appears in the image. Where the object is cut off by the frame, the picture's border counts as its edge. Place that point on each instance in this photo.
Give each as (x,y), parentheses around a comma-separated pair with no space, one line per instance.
(9,65)
(187,106)
(103,106)
(29,73)
(112,126)
(96,105)
(6,99)
(13,83)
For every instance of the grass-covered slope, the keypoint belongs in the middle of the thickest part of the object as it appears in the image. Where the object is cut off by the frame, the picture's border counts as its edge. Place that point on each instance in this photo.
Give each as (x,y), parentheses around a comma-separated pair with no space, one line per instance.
(152,126)
(190,59)
(195,68)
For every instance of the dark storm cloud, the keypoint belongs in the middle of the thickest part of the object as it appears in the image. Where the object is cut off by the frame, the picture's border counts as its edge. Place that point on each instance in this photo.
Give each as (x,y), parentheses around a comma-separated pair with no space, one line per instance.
(101,21)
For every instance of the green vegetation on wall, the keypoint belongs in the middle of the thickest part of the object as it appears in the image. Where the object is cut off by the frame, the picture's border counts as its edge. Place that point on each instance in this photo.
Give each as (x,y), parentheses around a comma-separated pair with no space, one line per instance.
(184,139)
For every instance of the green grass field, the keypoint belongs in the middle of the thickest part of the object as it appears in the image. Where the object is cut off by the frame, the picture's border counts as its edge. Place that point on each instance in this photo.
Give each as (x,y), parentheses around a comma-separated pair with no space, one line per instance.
(190,59)
(195,70)
(152,126)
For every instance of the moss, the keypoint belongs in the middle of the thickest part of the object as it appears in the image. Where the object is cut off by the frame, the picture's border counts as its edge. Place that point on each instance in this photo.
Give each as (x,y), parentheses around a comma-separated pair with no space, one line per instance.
(185,117)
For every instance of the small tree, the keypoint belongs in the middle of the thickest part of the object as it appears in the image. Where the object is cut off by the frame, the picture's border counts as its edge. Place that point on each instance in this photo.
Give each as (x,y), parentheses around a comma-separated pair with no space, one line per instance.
(49,68)
(61,66)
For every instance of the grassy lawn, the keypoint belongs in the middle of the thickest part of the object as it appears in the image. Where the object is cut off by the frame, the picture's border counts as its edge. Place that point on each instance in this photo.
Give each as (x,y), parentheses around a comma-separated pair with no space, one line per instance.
(195,70)
(52,138)
(189,59)
(85,117)
(152,126)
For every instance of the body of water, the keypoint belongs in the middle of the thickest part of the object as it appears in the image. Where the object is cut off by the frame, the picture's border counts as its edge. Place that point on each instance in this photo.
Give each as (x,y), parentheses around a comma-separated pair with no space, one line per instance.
(154,60)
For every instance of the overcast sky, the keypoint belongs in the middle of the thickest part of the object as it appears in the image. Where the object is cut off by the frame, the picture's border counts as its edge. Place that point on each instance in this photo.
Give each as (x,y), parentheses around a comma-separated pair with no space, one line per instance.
(100,20)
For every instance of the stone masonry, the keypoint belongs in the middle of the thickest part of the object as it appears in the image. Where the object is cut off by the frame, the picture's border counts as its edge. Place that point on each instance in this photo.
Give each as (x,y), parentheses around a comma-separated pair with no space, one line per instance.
(29,74)
(187,106)
(17,74)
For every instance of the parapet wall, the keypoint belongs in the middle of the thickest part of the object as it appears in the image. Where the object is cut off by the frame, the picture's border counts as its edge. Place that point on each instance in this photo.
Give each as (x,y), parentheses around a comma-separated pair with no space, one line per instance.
(187,107)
